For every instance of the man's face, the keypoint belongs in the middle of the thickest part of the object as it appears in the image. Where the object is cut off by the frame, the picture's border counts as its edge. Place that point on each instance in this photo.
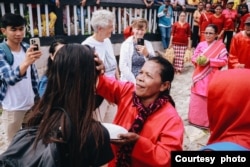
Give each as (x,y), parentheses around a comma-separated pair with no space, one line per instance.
(200,6)
(167,2)
(14,34)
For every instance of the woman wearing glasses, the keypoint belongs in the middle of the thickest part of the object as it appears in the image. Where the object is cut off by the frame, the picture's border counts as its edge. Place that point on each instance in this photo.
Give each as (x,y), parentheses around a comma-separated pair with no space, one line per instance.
(209,57)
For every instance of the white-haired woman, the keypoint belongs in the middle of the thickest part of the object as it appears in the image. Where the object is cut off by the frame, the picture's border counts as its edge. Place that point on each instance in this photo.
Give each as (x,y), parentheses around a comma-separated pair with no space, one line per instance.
(102,24)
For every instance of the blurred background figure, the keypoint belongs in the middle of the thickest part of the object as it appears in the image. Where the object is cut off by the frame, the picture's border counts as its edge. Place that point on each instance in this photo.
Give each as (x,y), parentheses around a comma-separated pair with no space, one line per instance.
(204,20)
(239,50)
(54,47)
(196,23)
(219,20)
(135,51)
(230,24)
(244,14)
(180,41)
(165,15)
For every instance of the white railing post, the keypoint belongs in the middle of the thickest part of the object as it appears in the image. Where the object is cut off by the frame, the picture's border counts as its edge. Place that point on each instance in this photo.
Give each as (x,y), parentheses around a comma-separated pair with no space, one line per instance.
(2,9)
(31,20)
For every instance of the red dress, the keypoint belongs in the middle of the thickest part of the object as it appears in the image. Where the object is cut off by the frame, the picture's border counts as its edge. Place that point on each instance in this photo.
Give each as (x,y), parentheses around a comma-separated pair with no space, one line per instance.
(228,107)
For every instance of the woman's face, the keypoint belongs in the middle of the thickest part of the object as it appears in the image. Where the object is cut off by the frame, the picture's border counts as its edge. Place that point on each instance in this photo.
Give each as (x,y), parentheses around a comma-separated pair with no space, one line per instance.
(139,32)
(244,10)
(149,83)
(182,17)
(230,5)
(208,7)
(210,34)
(218,10)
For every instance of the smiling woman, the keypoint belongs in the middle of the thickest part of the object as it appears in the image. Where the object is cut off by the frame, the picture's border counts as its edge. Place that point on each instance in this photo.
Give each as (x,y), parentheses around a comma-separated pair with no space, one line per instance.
(209,57)
(147,111)
(135,51)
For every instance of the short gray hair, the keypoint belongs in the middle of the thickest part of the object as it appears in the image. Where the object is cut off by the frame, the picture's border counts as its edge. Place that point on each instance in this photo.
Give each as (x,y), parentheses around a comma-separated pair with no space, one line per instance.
(101,18)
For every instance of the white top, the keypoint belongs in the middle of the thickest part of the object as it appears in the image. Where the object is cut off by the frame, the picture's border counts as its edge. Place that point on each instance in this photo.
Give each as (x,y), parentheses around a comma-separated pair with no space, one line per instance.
(125,61)
(105,52)
(21,95)
(180,2)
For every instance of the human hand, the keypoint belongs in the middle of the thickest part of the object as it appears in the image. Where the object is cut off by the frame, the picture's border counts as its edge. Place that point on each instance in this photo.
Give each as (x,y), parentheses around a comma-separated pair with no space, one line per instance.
(99,64)
(240,65)
(57,3)
(126,138)
(165,10)
(142,50)
(32,55)
(202,60)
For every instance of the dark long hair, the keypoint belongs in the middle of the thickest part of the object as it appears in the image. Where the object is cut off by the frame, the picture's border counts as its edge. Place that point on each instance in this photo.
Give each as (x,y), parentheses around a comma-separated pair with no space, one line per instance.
(52,50)
(71,85)
(167,74)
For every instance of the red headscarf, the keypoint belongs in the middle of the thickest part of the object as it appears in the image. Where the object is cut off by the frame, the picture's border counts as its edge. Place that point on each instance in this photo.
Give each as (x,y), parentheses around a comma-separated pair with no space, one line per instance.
(229,107)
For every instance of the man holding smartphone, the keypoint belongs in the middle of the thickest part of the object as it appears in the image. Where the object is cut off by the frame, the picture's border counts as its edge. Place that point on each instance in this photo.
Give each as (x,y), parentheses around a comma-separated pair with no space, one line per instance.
(19,79)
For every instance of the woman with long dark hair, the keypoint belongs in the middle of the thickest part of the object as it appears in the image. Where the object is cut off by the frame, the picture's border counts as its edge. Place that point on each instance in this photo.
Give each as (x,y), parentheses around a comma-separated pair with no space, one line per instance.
(71,86)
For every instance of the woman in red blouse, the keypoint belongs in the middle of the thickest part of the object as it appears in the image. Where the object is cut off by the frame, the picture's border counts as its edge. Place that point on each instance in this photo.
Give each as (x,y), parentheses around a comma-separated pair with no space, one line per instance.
(204,21)
(244,15)
(180,41)
(230,23)
(218,19)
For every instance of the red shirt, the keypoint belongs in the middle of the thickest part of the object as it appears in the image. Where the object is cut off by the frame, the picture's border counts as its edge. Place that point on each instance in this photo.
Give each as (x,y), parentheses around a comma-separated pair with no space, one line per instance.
(239,50)
(204,20)
(162,132)
(242,21)
(218,21)
(181,33)
(231,16)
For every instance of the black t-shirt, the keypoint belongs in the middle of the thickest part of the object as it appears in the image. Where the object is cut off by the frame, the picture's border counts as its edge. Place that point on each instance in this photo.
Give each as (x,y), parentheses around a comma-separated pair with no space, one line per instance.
(103,154)
(92,156)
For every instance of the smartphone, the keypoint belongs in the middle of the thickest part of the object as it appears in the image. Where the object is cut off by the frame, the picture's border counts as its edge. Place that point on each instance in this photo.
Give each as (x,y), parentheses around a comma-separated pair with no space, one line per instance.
(140,41)
(36,42)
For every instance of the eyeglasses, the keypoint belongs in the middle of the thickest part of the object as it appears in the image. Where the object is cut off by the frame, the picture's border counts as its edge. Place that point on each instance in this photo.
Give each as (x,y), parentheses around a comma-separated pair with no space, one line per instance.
(209,33)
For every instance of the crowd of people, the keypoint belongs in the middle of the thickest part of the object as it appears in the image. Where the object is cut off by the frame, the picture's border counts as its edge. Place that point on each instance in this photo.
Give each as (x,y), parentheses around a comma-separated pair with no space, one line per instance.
(136,90)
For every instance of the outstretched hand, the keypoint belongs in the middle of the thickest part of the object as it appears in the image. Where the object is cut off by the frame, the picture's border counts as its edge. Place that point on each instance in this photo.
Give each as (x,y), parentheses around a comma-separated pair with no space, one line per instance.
(126,138)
